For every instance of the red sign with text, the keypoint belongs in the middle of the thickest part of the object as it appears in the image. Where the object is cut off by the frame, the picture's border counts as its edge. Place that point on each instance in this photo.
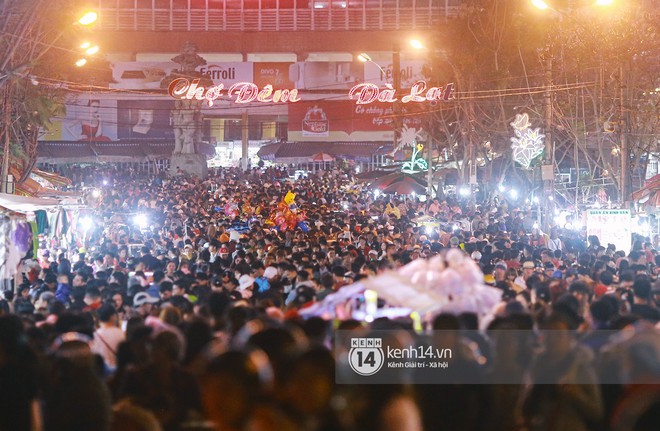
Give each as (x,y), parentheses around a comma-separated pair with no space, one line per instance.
(317,118)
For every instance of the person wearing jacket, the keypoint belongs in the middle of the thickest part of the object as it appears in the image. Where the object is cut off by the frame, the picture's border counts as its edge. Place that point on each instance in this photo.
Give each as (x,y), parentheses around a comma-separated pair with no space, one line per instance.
(63,292)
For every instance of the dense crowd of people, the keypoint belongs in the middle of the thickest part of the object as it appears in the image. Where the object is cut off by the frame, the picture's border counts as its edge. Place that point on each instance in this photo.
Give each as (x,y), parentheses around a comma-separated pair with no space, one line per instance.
(180,310)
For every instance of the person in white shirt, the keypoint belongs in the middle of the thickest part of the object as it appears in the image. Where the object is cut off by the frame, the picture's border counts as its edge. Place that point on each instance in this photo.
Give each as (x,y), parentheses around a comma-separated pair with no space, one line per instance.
(108,336)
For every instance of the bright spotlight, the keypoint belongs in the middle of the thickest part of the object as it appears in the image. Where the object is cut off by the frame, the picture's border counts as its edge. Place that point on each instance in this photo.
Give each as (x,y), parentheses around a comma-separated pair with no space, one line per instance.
(464,191)
(604,2)
(364,57)
(502,189)
(535,225)
(141,220)
(428,230)
(81,62)
(95,193)
(540,4)
(105,182)
(416,44)
(513,194)
(92,50)
(85,45)
(86,223)
(551,198)
(88,18)
(535,199)
(376,193)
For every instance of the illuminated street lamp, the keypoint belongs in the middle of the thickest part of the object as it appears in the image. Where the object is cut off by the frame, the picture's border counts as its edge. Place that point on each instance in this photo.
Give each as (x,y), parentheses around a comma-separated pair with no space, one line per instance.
(540,4)
(416,44)
(88,18)
(547,170)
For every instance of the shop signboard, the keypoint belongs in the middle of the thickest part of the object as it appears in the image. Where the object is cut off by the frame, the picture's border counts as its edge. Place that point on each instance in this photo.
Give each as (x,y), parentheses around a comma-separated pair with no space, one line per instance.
(611,226)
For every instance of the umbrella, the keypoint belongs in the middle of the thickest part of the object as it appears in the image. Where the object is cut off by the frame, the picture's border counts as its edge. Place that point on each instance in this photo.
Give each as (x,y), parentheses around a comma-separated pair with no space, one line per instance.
(651,186)
(405,188)
(322,157)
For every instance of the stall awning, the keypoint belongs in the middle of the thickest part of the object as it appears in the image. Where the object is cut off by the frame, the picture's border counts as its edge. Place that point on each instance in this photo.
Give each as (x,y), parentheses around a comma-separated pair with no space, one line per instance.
(24,204)
(359,151)
(119,151)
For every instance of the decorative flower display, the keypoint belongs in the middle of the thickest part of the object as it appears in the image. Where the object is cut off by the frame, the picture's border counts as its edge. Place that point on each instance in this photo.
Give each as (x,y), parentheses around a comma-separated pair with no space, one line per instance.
(527,144)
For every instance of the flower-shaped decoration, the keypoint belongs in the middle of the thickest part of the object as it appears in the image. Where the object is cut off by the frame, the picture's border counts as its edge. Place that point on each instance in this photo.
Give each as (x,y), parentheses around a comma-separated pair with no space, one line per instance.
(416,163)
(527,144)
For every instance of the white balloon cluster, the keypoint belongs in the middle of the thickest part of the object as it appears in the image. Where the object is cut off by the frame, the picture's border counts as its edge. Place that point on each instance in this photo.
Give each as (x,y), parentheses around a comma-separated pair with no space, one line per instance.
(450,282)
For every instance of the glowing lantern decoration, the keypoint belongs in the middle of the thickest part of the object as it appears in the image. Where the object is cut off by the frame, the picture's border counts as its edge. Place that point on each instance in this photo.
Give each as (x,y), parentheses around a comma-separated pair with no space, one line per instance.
(527,144)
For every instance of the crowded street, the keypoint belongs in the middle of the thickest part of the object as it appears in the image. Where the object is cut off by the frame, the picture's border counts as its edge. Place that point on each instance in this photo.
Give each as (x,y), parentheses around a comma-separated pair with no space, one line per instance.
(329,215)
(187,304)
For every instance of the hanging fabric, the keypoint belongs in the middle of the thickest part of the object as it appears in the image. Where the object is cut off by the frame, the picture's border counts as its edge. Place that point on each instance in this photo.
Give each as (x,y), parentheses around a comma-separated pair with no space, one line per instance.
(42,221)
(35,239)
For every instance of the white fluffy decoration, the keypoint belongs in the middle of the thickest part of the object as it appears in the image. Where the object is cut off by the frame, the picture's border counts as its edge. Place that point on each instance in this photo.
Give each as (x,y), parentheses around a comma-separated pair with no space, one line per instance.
(451,282)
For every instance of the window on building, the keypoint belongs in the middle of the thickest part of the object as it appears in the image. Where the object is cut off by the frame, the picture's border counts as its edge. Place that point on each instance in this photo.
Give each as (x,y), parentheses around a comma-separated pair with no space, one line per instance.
(233,130)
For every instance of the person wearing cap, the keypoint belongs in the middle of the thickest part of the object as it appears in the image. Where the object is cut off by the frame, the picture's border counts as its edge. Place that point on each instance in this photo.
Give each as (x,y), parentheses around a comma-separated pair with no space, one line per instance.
(143,303)
(528,268)
(246,286)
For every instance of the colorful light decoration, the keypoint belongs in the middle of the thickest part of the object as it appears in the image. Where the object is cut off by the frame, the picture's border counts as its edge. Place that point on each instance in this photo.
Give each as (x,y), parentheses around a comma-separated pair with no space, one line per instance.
(527,144)
(366,93)
(243,92)
(416,163)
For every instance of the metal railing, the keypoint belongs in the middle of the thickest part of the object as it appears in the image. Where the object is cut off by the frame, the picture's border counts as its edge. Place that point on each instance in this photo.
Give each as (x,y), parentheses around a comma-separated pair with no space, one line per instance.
(173,15)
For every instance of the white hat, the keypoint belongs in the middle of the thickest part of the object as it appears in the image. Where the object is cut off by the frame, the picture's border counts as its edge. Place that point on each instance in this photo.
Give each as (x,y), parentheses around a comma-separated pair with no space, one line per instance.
(143,298)
(245,281)
(270,272)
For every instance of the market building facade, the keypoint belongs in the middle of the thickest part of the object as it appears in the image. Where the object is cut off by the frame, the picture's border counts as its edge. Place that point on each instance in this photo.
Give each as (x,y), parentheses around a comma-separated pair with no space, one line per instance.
(307,48)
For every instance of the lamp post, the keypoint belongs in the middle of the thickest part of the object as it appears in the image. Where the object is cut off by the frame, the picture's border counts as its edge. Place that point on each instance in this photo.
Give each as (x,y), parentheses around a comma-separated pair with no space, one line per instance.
(548,166)
(396,84)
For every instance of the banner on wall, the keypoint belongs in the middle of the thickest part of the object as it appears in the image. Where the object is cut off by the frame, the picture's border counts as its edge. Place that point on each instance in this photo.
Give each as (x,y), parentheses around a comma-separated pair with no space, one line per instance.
(381,73)
(90,119)
(147,75)
(275,74)
(611,226)
(145,119)
(326,75)
(332,75)
(342,120)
